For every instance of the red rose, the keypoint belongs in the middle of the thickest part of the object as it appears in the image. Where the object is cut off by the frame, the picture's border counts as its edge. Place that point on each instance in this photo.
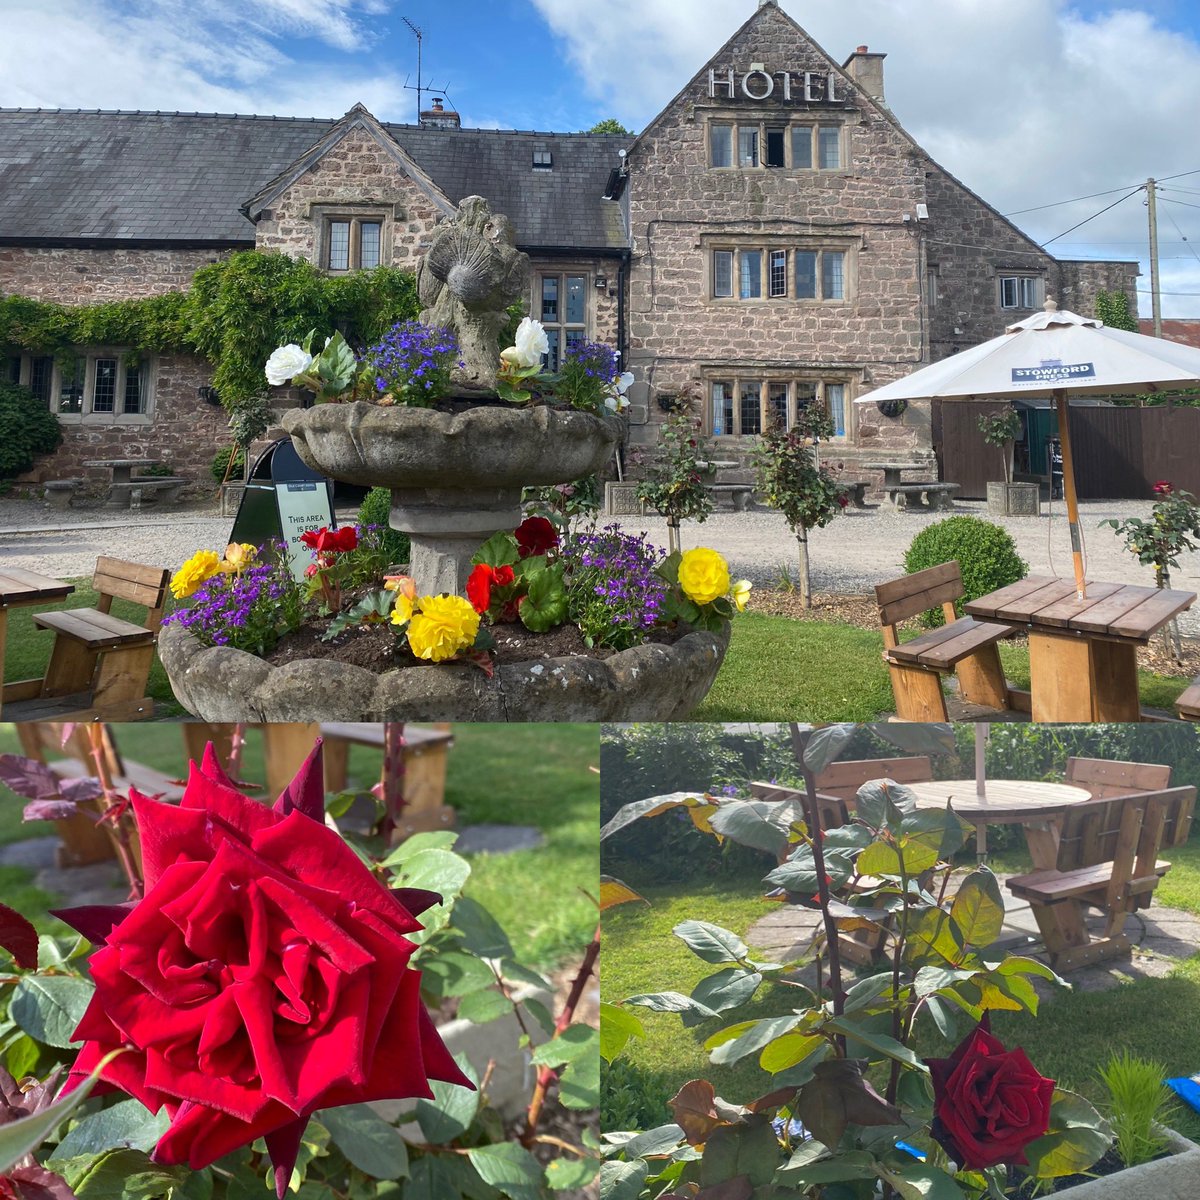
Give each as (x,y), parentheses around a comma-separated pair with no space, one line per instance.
(336,541)
(1164,487)
(990,1102)
(264,975)
(535,535)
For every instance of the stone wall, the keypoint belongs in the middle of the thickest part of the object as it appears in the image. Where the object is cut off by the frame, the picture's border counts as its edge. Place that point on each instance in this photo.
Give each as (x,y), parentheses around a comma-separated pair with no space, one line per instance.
(680,207)
(358,173)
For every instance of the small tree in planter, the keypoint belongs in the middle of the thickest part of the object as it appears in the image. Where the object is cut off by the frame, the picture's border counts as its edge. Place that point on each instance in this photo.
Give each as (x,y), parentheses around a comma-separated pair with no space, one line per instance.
(1001,429)
(792,481)
(1158,542)
(674,486)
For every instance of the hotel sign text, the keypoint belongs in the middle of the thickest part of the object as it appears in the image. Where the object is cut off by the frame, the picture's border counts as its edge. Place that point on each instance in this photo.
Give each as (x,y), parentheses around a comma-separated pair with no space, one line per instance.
(813,87)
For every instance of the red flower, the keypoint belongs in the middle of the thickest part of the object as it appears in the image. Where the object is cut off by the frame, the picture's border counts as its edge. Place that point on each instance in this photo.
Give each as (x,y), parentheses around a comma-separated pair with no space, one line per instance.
(535,535)
(331,541)
(264,975)
(990,1103)
(1164,487)
(480,581)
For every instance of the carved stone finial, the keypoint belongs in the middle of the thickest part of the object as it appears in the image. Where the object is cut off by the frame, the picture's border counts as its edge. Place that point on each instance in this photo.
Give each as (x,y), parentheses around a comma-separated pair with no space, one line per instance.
(469,276)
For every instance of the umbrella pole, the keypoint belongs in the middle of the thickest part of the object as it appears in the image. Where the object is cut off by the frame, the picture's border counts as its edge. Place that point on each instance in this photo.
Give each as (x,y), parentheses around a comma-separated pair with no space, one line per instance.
(1064,433)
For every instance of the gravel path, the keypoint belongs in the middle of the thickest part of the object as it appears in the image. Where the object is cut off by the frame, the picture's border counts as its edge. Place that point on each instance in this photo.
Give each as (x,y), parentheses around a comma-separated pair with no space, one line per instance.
(857,550)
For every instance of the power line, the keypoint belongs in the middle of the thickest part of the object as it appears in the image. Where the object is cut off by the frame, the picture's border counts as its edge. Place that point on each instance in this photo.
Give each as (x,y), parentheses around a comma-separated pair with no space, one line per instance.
(1060,203)
(1185,203)
(1094,215)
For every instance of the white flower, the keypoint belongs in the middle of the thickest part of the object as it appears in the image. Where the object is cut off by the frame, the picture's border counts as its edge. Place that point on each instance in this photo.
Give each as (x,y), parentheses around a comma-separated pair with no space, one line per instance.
(532,345)
(616,400)
(624,382)
(286,363)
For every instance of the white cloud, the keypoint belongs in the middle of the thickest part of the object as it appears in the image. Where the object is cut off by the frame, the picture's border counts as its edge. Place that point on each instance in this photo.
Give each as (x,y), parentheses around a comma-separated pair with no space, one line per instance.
(1028,102)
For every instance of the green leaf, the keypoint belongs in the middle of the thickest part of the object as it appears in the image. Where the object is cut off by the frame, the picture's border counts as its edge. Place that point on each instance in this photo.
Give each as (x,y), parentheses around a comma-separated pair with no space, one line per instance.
(751,1149)
(751,823)
(575,1042)
(978,908)
(650,807)
(452,1109)
(824,745)
(367,1140)
(482,933)
(441,839)
(726,988)
(915,1180)
(616,1028)
(438,871)
(917,737)
(569,1174)
(455,973)
(839,1096)
(430,1179)
(20,1137)
(934,939)
(21,1056)
(866,991)
(623,1180)
(509,1168)
(883,1045)
(579,1083)
(1078,1136)
(757,1035)
(128,1125)
(484,1006)
(710,942)
(49,1007)
(500,550)
(654,1142)
(670,1002)
(121,1175)
(787,1051)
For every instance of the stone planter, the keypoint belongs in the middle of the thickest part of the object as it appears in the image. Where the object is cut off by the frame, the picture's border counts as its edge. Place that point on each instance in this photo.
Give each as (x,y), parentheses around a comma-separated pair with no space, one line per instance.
(456,478)
(1014,499)
(1176,1177)
(647,683)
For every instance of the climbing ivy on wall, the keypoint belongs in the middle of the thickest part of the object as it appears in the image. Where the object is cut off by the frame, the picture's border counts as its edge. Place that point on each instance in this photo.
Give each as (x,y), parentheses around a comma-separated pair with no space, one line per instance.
(1113,309)
(235,313)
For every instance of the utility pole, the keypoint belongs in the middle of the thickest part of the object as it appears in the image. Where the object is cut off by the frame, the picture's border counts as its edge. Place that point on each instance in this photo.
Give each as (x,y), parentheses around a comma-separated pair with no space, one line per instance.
(1155,298)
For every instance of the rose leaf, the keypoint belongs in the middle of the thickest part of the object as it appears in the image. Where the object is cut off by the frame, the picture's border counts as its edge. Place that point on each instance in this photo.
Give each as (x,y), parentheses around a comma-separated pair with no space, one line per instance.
(49,1007)
(367,1140)
(19,938)
(839,1096)
(452,1109)
(622,1180)
(509,1168)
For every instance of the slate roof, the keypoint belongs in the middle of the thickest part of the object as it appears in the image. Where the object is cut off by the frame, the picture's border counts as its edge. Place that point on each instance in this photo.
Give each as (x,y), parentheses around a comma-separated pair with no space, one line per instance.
(68,175)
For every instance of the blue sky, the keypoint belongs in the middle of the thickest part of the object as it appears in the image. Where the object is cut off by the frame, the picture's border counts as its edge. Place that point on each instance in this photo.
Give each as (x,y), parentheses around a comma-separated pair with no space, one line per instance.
(1030,102)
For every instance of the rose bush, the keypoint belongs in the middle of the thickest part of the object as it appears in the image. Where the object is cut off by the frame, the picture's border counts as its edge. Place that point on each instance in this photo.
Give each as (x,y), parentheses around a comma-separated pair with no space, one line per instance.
(264,975)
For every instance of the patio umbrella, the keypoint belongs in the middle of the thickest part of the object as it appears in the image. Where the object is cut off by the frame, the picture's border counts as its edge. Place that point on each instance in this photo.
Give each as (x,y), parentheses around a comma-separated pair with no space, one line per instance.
(1056,354)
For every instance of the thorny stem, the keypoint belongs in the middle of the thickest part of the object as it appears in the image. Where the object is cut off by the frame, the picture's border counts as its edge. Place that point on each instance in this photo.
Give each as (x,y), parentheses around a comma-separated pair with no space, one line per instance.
(897,950)
(96,735)
(391,784)
(547,1075)
(237,744)
(812,817)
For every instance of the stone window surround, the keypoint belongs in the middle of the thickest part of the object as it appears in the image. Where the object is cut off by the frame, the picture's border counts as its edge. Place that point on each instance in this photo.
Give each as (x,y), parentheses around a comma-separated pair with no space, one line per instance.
(322,213)
(849,246)
(1039,288)
(737,374)
(148,363)
(786,121)
(562,272)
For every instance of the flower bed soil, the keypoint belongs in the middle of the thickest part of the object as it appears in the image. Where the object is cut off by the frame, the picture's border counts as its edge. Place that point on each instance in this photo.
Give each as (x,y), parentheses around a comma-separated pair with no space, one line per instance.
(377,648)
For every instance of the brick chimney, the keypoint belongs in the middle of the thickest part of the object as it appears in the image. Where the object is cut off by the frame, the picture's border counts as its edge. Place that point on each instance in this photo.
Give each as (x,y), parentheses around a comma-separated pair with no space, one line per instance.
(866,69)
(437,116)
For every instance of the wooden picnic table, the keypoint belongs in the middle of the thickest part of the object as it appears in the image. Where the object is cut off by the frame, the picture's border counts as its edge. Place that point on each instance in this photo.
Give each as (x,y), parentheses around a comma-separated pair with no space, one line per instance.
(1082,653)
(1033,804)
(19,589)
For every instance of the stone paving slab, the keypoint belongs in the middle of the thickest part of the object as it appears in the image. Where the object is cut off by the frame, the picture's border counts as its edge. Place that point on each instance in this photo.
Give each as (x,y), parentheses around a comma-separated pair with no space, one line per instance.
(1161,937)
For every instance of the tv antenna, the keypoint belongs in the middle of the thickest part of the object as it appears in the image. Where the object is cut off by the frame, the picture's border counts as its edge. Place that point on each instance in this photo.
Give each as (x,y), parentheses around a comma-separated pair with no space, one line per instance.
(419,34)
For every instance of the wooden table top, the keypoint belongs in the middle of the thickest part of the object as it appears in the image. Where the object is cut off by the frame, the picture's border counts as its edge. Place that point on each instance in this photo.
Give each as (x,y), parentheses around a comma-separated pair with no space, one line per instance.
(121,462)
(1005,800)
(1120,611)
(28,587)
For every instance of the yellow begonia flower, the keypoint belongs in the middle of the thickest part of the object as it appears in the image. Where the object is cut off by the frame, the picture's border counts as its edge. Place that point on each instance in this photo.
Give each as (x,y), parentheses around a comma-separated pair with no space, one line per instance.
(442,627)
(741,594)
(203,565)
(238,556)
(402,608)
(703,575)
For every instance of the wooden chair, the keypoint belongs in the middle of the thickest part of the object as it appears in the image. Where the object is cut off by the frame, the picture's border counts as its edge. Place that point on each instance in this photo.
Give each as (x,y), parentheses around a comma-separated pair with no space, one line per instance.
(1106,778)
(837,794)
(1188,704)
(962,645)
(102,659)
(1107,859)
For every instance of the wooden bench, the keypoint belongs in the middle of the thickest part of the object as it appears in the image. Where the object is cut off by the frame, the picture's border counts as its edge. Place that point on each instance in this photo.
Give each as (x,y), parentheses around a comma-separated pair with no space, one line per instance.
(962,645)
(59,492)
(740,494)
(1107,859)
(837,796)
(101,659)
(1188,704)
(937,495)
(146,487)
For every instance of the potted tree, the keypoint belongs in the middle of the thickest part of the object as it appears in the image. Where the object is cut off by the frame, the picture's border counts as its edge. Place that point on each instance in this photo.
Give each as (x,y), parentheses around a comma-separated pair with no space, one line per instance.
(1000,429)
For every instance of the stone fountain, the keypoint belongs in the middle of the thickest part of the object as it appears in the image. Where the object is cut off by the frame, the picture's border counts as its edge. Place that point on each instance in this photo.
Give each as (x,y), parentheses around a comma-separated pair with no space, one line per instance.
(456,473)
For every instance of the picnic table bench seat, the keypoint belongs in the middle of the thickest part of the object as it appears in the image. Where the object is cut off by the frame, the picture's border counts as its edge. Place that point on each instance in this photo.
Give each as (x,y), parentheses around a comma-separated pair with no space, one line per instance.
(937,494)
(1188,704)
(58,493)
(138,489)
(855,490)
(962,645)
(739,494)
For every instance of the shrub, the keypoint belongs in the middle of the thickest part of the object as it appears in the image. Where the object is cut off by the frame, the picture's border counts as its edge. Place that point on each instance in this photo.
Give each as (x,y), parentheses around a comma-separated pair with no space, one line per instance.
(986,554)
(220,463)
(27,428)
(375,510)
(632,1097)
(1138,1100)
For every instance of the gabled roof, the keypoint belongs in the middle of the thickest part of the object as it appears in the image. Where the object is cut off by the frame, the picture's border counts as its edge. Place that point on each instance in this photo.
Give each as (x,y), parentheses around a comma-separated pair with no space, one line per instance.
(1185,330)
(358,118)
(182,178)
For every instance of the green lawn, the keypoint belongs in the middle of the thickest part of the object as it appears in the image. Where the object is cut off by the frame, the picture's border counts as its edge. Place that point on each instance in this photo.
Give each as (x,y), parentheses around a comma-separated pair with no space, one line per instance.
(778,669)
(1070,1039)
(526,774)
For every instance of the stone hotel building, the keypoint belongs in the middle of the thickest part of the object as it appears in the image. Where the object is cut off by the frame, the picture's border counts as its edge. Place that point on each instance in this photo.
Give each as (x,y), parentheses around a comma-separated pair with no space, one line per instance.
(773,238)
